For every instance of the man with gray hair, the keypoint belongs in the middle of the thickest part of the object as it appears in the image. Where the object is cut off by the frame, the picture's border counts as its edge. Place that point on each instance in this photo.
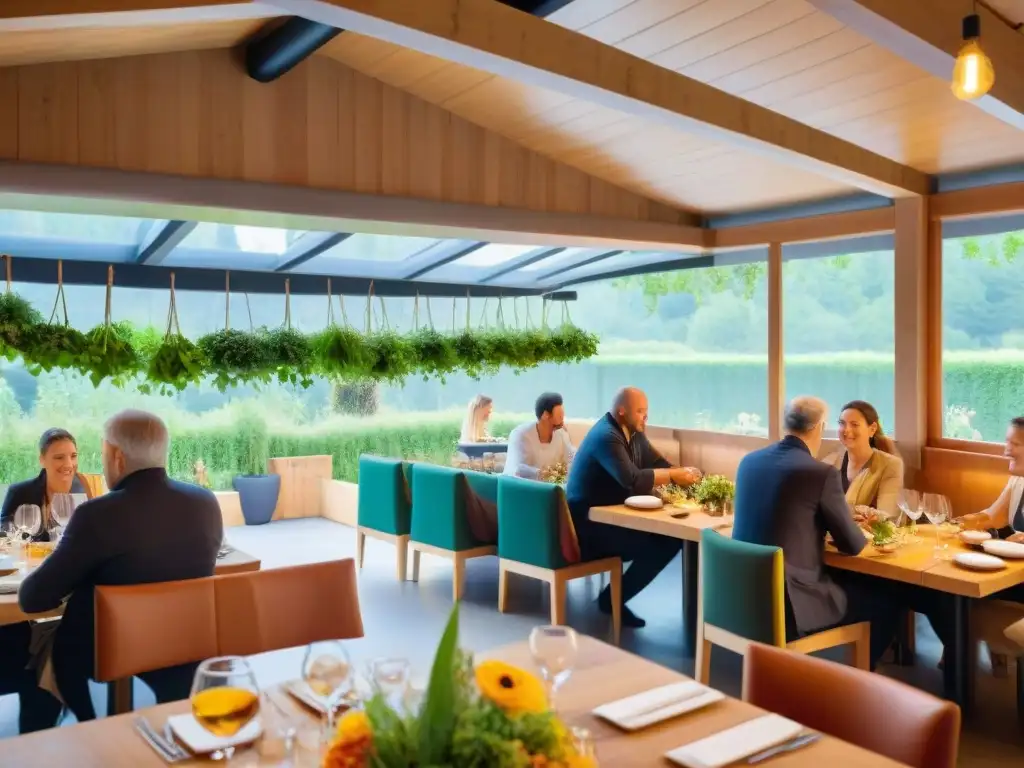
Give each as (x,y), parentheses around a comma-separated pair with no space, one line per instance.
(148,528)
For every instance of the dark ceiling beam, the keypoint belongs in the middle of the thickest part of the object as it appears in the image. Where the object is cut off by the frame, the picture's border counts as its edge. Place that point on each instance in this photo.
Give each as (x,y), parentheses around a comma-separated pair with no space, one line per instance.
(309,246)
(162,240)
(528,258)
(438,255)
(285,46)
(541,8)
(692,262)
(586,261)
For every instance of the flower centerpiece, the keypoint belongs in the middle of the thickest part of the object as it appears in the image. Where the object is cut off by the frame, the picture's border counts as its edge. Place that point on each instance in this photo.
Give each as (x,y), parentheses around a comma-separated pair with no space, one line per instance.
(715,493)
(557,473)
(486,715)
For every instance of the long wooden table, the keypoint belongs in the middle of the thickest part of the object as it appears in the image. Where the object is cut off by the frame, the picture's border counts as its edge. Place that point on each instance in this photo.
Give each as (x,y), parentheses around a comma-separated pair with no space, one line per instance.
(234,561)
(603,673)
(914,564)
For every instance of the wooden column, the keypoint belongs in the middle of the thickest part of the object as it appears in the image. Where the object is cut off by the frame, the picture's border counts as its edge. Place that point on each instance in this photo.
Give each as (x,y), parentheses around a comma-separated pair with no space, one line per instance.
(933,371)
(776,370)
(911,396)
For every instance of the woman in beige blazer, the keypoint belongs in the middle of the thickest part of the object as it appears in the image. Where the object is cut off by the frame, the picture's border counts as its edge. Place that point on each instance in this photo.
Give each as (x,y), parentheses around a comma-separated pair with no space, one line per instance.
(871,472)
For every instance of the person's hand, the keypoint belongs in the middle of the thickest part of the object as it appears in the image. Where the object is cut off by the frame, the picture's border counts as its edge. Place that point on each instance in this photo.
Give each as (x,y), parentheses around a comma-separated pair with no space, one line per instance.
(1017,538)
(685,475)
(862,513)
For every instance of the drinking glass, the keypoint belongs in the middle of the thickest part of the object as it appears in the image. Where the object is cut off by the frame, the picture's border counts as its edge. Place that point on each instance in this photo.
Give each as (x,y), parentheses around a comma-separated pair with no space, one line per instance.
(909,502)
(936,509)
(225,698)
(390,676)
(327,670)
(27,519)
(554,652)
(9,536)
(61,507)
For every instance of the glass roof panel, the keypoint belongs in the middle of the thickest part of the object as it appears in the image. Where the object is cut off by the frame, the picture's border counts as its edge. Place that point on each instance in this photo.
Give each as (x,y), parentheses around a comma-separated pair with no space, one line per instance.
(363,247)
(78,227)
(493,255)
(242,238)
(559,259)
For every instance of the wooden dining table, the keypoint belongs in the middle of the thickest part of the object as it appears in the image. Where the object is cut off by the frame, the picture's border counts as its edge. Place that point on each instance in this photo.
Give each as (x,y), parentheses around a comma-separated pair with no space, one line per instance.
(916,563)
(235,561)
(602,673)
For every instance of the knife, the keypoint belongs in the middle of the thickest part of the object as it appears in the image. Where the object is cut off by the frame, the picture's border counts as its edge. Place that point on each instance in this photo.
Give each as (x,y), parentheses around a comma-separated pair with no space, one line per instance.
(787,746)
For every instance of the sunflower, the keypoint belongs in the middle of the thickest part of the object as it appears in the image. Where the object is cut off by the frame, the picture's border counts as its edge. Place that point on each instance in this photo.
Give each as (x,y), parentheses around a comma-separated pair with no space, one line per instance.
(510,688)
(353,743)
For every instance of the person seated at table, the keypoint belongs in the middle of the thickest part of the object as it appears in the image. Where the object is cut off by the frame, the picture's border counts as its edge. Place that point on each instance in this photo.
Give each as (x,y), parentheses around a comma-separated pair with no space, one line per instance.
(58,457)
(786,498)
(870,470)
(536,446)
(474,426)
(148,528)
(1006,515)
(616,461)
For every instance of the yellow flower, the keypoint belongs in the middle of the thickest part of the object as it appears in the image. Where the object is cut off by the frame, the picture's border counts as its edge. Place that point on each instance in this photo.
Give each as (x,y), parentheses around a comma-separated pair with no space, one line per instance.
(510,688)
(354,726)
(353,743)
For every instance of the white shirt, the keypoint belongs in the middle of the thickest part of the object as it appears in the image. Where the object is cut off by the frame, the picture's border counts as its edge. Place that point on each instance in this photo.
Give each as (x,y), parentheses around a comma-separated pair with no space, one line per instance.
(528,456)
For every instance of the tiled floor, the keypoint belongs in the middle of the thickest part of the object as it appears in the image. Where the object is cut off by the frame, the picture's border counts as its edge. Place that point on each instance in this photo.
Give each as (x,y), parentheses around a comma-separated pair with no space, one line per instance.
(406,619)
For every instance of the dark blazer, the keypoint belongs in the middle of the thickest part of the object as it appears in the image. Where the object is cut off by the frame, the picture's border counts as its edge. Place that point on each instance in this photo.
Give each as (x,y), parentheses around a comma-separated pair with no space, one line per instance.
(785,498)
(608,469)
(32,492)
(148,528)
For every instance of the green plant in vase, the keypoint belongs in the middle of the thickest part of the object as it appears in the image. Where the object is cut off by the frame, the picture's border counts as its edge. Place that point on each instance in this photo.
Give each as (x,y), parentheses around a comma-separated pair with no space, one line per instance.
(715,493)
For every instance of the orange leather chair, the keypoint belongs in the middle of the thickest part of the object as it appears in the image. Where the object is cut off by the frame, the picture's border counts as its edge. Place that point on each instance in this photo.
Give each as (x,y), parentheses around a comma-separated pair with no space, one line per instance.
(877,713)
(144,627)
(287,607)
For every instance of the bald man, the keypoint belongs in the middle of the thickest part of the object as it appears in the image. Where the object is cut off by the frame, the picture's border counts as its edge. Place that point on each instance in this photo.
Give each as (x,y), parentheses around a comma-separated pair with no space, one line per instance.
(148,528)
(616,461)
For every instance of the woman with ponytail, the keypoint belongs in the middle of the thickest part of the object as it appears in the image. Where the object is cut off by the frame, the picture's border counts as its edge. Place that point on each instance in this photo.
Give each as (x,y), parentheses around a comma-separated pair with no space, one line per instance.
(870,469)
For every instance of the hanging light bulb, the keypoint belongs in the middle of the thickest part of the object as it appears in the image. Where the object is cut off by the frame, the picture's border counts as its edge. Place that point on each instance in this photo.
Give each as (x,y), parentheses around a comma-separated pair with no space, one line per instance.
(973,74)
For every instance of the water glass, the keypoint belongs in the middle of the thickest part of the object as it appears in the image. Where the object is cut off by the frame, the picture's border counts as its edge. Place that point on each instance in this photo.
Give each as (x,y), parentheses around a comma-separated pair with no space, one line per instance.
(909,502)
(554,651)
(390,677)
(62,505)
(936,509)
(327,670)
(224,698)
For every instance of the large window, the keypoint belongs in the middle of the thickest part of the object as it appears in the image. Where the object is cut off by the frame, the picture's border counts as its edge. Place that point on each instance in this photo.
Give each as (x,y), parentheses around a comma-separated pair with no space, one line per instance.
(838,317)
(983,326)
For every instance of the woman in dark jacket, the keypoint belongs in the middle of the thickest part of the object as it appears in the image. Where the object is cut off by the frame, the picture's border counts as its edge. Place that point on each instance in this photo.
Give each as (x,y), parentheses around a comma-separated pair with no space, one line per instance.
(58,457)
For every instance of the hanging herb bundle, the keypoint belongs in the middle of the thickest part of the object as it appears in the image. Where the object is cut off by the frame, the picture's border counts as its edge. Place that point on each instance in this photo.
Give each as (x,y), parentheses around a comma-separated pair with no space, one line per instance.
(292,356)
(237,357)
(569,344)
(341,352)
(392,356)
(50,345)
(436,353)
(18,318)
(111,354)
(177,362)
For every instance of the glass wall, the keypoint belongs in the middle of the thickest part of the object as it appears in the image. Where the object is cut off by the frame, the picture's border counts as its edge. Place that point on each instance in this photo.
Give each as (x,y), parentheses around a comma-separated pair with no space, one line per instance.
(982,327)
(838,317)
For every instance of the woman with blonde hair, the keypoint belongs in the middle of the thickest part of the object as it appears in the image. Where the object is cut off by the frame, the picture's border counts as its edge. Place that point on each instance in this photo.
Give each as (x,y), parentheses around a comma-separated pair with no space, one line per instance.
(869,467)
(474,426)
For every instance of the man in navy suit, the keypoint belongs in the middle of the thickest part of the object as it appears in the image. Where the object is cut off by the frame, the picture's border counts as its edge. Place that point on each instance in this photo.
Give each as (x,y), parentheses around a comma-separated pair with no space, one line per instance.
(616,461)
(786,498)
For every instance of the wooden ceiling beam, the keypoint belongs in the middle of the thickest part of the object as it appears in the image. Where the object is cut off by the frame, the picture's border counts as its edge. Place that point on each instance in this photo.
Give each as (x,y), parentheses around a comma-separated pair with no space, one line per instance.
(928,35)
(498,39)
(24,15)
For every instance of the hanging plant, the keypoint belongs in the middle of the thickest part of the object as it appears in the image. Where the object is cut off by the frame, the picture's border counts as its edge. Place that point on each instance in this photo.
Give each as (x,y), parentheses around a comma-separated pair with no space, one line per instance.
(18,320)
(435,351)
(292,353)
(237,357)
(50,345)
(569,344)
(392,356)
(177,362)
(341,353)
(109,349)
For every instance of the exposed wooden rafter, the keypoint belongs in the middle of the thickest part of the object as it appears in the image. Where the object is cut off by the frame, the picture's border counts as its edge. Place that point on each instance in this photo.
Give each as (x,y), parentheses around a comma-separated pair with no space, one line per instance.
(928,34)
(19,15)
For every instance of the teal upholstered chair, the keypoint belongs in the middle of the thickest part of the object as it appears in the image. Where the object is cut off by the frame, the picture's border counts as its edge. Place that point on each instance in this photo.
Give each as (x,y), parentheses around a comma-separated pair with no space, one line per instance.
(535,534)
(384,506)
(743,600)
(440,524)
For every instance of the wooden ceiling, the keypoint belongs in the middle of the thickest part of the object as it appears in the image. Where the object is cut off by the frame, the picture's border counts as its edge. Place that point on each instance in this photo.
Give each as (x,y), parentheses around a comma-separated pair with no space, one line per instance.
(784,55)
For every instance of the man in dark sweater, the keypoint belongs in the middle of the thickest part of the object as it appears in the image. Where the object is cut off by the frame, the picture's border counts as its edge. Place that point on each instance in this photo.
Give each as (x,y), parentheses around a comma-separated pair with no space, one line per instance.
(148,528)
(616,461)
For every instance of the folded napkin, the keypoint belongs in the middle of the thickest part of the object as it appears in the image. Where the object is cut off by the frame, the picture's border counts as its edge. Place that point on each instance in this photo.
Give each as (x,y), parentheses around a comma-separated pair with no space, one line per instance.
(658,704)
(9,584)
(736,743)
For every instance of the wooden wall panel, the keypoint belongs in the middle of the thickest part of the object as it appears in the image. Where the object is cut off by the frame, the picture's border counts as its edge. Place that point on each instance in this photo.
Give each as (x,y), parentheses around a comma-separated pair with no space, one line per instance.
(301,478)
(972,481)
(324,125)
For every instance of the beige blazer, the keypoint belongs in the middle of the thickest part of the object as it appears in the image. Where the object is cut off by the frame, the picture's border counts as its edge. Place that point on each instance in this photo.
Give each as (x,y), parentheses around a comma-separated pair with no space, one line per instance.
(877,485)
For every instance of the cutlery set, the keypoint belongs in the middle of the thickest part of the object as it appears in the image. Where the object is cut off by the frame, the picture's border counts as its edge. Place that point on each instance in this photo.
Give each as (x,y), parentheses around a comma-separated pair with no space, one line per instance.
(164,744)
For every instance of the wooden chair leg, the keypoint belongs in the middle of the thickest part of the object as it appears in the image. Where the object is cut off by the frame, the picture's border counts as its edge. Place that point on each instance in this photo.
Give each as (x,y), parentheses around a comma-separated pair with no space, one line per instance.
(402,557)
(458,577)
(557,600)
(120,696)
(502,587)
(415,565)
(615,580)
(702,664)
(360,547)
(862,649)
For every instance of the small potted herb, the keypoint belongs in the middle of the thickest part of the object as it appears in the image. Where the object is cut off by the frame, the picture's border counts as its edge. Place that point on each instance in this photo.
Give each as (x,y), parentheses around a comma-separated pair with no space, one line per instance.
(715,493)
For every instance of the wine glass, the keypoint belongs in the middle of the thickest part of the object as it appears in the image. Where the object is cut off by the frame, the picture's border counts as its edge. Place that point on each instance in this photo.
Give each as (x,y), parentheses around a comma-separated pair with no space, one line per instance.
(327,670)
(27,519)
(936,509)
(61,507)
(554,652)
(8,535)
(225,698)
(390,676)
(909,502)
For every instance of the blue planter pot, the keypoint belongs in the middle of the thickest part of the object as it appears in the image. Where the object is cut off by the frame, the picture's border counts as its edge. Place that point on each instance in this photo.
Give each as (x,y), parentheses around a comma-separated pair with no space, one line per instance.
(258,496)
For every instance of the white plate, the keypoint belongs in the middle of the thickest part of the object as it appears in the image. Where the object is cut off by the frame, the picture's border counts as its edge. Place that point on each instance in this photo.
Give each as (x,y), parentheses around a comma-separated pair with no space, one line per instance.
(1008,549)
(653,706)
(644,502)
(974,537)
(201,742)
(978,562)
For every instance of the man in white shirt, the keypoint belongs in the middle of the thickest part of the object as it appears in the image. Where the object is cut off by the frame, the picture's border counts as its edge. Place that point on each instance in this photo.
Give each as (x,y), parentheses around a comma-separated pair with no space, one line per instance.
(538,445)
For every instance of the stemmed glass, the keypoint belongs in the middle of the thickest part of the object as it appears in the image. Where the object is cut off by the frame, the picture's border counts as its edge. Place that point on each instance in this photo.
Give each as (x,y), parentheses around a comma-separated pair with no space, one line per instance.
(390,677)
(936,509)
(62,505)
(909,502)
(225,698)
(27,519)
(327,670)
(554,652)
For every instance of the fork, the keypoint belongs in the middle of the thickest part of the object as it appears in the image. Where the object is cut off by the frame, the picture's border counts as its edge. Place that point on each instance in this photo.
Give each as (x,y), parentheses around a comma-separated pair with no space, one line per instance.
(171,753)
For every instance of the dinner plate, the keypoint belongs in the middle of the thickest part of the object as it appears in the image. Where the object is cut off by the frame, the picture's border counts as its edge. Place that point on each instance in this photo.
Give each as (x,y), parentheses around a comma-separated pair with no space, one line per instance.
(201,742)
(976,561)
(644,502)
(975,537)
(1008,549)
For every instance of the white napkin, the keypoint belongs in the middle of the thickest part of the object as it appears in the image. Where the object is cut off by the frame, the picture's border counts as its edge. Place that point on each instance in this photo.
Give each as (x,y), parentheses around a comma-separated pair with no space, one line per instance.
(658,704)
(736,743)
(9,584)
(201,742)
